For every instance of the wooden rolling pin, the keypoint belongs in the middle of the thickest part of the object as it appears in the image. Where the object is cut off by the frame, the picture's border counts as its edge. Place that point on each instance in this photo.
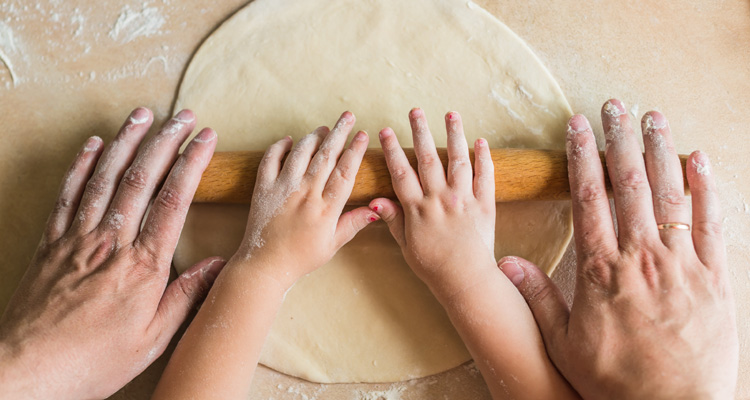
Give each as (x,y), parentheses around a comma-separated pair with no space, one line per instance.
(520,175)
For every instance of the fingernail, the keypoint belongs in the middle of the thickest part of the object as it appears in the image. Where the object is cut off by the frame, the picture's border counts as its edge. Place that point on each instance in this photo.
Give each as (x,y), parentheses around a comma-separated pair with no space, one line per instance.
(384,133)
(377,208)
(481,142)
(614,108)
(702,163)
(653,121)
(205,136)
(138,116)
(184,116)
(513,271)
(452,116)
(373,217)
(578,124)
(92,144)
(210,272)
(361,136)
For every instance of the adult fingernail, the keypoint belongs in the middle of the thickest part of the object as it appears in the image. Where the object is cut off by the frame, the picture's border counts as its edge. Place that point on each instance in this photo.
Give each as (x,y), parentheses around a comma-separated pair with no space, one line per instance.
(614,108)
(184,116)
(361,136)
(652,122)
(513,271)
(578,124)
(205,136)
(211,271)
(138,116)
(92,144)
(701,163)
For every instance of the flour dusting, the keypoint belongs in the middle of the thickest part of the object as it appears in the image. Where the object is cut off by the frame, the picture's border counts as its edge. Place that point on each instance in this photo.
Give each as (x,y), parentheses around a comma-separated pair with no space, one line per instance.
(131,24)
(701,169)
(7,46)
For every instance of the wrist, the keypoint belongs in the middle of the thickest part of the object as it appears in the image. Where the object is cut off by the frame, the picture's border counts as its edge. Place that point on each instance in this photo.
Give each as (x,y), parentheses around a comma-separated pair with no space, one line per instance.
(16,379)
(454,277)
(273,269)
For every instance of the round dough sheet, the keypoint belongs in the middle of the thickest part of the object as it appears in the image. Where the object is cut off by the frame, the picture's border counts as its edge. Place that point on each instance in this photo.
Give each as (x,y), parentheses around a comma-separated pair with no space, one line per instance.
(284,67)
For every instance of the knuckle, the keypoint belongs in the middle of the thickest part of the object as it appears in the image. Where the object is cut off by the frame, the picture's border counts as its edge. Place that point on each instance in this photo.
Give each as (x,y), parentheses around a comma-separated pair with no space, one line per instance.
(344,172)
(427,159)
(597,270)
(171,199)
(590,192)
(709,228)
(399,173)
(62,204)
(97,185)
(631,180)
(135,177)
(672,198)
(539,293)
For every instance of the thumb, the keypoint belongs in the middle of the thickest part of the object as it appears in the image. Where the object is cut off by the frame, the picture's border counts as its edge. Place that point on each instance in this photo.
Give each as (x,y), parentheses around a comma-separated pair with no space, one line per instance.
(392,214)
(543,297)
(184,293)
(352,222)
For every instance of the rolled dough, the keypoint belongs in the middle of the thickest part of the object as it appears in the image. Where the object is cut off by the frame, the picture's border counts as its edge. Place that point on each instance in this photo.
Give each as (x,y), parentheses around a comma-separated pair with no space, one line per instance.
(281,67)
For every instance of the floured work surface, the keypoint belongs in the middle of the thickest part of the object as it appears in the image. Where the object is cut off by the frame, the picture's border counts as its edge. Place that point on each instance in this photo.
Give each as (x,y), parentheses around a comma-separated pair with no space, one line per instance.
(286,67)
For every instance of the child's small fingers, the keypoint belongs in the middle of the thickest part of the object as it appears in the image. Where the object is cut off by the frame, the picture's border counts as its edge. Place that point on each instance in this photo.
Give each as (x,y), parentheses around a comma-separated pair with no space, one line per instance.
(392,214)
(351,222)
(299,158)
(341,180)
(403,178)
(484,172)
(325,159)
(429,165)
(270,165)
(459,165)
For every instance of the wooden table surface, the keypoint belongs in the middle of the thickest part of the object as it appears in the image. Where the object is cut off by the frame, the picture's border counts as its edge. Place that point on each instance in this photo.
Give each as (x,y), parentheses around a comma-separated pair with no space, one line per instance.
(78,72)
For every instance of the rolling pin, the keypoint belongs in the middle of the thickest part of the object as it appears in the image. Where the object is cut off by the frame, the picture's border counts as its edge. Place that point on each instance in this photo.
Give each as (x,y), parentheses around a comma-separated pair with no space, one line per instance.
(520,175)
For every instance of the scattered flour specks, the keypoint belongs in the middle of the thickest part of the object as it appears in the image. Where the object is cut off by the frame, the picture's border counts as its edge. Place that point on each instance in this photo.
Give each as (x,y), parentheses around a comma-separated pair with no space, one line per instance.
(393,393)
(134,24)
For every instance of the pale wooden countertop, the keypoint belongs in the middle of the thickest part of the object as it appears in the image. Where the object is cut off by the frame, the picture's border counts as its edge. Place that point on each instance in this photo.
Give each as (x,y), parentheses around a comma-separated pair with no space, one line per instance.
(690,61)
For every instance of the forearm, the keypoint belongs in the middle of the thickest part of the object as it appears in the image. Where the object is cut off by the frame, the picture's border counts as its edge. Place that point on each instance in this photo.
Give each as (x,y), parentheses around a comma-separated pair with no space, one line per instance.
(219,352)
(500,333)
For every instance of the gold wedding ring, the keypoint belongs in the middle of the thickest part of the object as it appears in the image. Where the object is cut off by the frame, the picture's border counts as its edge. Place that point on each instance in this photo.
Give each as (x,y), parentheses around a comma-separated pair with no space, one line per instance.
(674,225)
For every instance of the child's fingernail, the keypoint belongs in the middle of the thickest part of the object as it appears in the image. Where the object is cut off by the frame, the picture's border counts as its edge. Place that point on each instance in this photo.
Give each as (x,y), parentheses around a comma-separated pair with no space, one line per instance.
(373,217)
(376,208)
(513,271)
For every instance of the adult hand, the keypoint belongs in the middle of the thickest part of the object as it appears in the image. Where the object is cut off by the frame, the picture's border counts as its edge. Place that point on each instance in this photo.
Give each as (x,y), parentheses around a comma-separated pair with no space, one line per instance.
(653,314)
(94,309)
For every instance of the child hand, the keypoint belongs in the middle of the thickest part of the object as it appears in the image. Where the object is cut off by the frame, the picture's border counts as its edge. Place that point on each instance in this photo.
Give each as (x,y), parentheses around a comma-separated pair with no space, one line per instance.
(445,225)
(295,223)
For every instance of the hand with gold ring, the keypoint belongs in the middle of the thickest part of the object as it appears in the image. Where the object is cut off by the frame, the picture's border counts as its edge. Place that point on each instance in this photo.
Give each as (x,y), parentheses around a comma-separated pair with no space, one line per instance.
(653,314)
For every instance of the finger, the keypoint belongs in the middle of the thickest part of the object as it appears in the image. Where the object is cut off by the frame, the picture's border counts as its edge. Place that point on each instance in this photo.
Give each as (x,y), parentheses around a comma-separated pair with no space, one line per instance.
(707,228)
(484,172)
(544,299)
(328,154)
(459,165)
(270,165)
(351,222)
(148,169)
(341,182)
(633,206)
(431,173)
(299,159)
(182,296)
(116,157)
(392,214)
(665,178)
(405,181)
(592,220)
(167,215)
(72,188)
